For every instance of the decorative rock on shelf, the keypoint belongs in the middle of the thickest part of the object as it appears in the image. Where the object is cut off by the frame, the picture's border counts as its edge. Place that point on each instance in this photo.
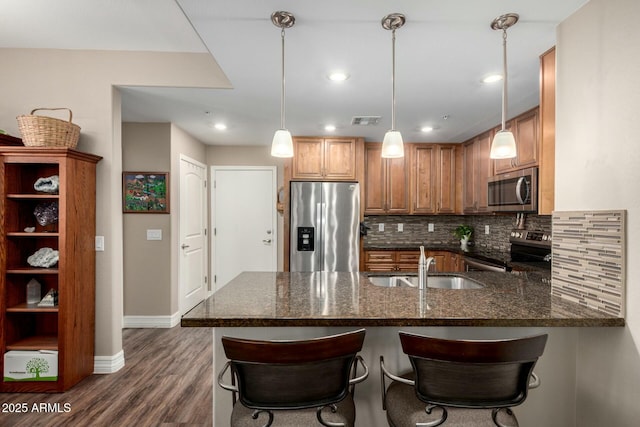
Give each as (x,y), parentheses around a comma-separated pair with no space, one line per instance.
(50,299)
(46,213)
(49,184)
(44,257)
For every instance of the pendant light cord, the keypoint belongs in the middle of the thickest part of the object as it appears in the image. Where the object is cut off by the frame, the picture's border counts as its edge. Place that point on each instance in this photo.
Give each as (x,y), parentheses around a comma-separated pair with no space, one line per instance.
(504,78)
(393,79)
(282,94)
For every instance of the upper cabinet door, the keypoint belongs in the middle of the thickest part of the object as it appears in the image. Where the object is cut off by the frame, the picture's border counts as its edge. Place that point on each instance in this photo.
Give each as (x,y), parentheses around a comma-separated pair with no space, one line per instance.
(308,156)
(527,139)
(483,171)
(339,158)
(446,179)
(477,169)
(324,159)
(525,131)
(469,172)
(424,175)
(386,182)
(398,185)
(375,180)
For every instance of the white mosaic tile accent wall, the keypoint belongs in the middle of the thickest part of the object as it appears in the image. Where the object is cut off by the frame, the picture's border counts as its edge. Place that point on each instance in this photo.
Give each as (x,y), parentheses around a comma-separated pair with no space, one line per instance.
(588,265)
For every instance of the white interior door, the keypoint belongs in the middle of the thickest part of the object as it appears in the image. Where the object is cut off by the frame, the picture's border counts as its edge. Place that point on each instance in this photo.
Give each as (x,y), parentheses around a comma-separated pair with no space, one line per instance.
(243,220)
(193,222)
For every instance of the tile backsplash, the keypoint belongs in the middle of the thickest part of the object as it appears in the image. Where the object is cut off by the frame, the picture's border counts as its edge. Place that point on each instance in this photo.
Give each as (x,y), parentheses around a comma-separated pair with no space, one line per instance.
(588,264)
(416,229)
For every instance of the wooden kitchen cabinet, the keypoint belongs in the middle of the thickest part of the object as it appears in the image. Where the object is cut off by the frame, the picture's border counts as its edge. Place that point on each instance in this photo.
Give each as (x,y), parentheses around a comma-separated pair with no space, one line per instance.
(386,182)
(546,171)
(525,131)
(433,175)
(455,263)
(324,158)
(407,261)
(441,259)
(67,327)
(389,261)
(477,169)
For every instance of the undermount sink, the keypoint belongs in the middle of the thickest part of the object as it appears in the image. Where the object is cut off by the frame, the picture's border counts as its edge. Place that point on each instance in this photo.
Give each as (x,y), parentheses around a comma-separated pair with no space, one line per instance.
(440,282)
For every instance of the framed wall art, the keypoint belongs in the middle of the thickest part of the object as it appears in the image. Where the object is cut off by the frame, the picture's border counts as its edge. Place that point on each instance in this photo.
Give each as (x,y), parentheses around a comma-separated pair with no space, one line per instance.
(145,192)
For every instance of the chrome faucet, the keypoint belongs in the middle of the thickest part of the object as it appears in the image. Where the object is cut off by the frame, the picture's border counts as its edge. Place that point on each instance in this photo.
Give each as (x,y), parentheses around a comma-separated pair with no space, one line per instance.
(423,269)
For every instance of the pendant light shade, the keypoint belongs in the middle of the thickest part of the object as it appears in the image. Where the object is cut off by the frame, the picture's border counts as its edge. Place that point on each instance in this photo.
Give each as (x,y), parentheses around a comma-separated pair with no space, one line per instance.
(504,144)
(282,144)
(392,145)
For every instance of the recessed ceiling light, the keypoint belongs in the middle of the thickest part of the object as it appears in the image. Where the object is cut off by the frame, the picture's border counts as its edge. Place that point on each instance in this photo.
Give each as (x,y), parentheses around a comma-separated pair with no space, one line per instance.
(426,129)
(220,126)
(492,78)
(330,128)
(338,76)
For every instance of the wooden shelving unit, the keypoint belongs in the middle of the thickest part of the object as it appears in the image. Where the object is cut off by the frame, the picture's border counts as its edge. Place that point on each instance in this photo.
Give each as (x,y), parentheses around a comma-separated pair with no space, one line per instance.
(67,328)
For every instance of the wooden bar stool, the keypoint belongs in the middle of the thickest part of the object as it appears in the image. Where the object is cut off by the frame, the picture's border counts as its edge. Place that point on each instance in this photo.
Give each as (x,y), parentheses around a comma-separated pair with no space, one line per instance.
(294,383)
(468,383)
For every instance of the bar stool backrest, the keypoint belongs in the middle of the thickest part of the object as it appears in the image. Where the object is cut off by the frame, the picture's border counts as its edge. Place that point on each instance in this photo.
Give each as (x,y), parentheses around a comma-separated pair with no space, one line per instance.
(472,374)
(275,375)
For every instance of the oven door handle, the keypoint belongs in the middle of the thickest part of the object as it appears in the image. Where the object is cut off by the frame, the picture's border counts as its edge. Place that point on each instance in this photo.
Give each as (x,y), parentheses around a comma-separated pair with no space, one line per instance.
(484,266)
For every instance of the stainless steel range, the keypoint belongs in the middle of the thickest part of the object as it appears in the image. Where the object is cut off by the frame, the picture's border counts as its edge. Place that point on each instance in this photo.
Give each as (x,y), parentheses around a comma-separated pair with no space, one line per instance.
(531,247)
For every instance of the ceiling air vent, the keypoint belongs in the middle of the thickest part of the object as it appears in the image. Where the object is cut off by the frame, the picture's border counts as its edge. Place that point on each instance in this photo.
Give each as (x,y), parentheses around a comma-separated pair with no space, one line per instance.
(365,120)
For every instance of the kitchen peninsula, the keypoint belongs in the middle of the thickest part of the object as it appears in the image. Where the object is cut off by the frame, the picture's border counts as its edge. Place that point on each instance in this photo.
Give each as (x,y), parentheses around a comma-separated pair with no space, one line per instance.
(350,299)
(301,305)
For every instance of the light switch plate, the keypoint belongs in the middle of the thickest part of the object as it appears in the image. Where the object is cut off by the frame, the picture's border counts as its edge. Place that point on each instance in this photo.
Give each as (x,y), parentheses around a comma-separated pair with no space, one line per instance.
(154,234)
(400,228)
(486,229)
(431,227)
(381,227)
(99,243)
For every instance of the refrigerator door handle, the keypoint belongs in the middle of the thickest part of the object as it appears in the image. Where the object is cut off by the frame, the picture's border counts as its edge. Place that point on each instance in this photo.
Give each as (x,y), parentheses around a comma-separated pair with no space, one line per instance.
(319,246)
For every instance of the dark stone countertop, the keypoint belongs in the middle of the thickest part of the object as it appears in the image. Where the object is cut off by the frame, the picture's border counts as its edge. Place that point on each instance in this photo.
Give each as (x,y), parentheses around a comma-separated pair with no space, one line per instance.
(350,299)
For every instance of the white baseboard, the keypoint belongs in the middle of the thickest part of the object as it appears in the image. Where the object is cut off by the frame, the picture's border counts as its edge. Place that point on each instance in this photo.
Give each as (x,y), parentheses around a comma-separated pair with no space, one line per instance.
(111,364)
(108,364)
(151,321)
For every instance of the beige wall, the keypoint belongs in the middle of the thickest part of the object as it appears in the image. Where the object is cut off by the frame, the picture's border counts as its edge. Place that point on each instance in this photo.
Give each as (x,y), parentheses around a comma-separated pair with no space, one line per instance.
(151,284)
(84,81)
(597,167)
(146,147)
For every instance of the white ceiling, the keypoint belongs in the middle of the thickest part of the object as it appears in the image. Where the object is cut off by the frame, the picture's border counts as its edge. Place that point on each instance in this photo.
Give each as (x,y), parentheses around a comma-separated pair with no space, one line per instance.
(442,53)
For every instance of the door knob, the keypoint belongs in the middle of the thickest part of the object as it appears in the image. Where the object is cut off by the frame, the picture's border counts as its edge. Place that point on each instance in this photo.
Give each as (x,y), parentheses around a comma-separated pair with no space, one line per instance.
(184,246)
(266,241)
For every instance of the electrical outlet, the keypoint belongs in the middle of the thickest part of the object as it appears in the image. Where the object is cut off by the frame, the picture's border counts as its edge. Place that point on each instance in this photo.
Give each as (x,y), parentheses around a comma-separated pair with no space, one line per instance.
(381,227)
(431,228)
(486,229)
(400,228)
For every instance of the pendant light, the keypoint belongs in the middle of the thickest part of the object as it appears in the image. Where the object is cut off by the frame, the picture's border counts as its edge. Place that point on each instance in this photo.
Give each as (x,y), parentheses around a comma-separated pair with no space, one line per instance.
(504,144)
(392,145)
(282,145)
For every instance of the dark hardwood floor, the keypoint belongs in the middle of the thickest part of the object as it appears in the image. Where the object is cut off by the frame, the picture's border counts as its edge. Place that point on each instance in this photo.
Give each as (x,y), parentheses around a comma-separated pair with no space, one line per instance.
(167,380)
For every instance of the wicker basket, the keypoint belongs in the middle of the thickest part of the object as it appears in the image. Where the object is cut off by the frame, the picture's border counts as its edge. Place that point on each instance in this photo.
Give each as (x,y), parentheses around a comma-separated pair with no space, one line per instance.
(41,131)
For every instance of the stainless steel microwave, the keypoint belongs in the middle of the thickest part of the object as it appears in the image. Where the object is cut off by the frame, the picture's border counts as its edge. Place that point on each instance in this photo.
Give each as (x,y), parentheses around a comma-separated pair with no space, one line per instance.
(514,191)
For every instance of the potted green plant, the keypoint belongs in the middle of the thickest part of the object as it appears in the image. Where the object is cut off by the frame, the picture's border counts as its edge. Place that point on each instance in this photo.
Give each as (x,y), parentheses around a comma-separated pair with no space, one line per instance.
(463,232)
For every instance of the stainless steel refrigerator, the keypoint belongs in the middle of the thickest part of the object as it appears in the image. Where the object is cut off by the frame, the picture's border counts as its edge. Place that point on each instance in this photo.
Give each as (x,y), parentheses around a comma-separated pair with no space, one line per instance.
(325,226)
